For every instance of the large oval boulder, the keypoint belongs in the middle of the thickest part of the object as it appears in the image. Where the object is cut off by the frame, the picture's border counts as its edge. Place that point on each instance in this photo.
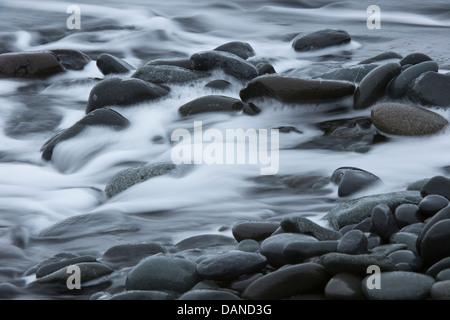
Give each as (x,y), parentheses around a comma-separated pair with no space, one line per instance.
(29,65)
(405,120)
(295,90)
(320,39)
(123,92)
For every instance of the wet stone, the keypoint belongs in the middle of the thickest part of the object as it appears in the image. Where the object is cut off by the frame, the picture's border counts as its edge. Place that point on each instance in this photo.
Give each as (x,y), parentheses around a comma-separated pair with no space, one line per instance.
(405,120)
(29,65)
(303,225)
(273,246)
(207,294)
(374,84)
(438,267)
(356,264)
(431,88)
(440,290)
(432,204)
(353,242)
(131,253)
(320,39)
(110,64)
(345,286)
(163,273)
(438,185)
(304,278)
(351,180)
(409,257)
(435,243)
(297,252)
(443,275)
(230,265)
(242,49)
(400,285)
(407,213)
(414,58)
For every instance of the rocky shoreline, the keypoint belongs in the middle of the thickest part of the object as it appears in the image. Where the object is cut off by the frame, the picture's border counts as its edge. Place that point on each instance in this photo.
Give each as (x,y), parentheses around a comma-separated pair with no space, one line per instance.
(404,234)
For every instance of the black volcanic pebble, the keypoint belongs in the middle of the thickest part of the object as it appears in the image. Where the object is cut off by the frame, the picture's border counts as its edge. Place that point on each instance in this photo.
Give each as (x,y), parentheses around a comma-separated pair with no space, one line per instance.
(435,243)
(432,203)
(439,185)
(230,265)
(409,257)
(443,214)
(303,278)
(345,286)
(356,264)
(300,224)
(241,49)
(273,246)
(438,267)
(353,242)
(109,64)
(256,230)
(320,39)
(374,85)
(408,213)
(218,84)
(383,221)
(99,117)
(123,92)
(297,252)
(351,180)
(414,58)
(430,88)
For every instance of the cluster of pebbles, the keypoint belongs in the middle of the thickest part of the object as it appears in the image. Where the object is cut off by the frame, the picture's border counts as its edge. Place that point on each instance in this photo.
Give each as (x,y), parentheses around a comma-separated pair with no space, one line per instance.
(405,235)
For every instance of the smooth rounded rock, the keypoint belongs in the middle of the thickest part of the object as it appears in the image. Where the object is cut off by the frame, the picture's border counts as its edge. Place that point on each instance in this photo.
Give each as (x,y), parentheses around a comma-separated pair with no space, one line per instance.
(204,241)
(100,117)
(301,278)
(297,252)
(218,84)
(383,221)
(408,257)
(374,84)
(438,185)
(273,246)
(356,210)
(351,180)
(398,86)
(123,92)
(382,56)
(295,90)
(405,120)
(230,63)
(71,59)
(320,39)
(109,64)
(345,286)
(443,275)
(230,265)
(242,49)
(256,230)
(431,204)
(438,267)
(248,245)
(414,58)
(400,285)
(443,214)
(161,273)
(162,74)
(440,290)
(407,213)
(431,88)
(303,225)
(353,242)
(435,243)
(405,238)
(46,269)
(356,264)
(212,103)
(29,65)
(131,253)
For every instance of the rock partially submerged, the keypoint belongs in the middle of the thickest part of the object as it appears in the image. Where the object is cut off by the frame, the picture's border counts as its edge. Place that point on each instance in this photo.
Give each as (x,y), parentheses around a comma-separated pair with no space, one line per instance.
(406,120)
(295,90)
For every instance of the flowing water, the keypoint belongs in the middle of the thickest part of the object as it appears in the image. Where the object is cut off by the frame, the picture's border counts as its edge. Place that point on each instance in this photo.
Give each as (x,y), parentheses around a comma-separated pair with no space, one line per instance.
(60,206)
